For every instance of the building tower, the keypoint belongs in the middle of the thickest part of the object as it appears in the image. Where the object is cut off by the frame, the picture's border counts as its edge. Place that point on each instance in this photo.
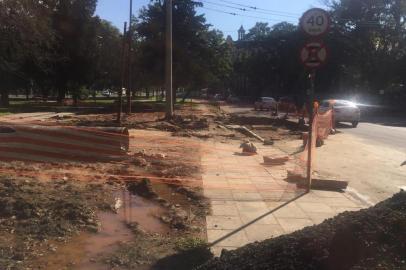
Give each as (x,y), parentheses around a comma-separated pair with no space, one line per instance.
(241,33)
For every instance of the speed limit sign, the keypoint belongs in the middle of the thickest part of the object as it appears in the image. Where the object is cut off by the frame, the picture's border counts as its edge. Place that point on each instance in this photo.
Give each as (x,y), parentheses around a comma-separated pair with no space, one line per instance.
(315,22)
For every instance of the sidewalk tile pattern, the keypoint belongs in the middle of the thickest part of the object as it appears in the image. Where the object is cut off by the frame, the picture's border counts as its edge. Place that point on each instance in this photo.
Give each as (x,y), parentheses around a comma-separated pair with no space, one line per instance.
(240,188)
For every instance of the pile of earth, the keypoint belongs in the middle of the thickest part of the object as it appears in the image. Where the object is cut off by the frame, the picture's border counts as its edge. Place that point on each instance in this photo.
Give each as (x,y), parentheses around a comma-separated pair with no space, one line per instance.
(183,126)
(32,213)
(373,238)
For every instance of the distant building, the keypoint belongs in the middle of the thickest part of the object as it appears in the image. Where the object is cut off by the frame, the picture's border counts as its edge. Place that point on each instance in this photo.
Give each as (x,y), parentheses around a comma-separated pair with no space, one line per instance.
(241,33)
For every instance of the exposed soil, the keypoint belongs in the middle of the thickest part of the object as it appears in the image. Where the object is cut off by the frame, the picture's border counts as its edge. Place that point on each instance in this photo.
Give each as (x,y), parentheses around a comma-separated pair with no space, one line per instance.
(144,212)
(191,120)
(373,238)
(153,251)
(33,213)
(164,200)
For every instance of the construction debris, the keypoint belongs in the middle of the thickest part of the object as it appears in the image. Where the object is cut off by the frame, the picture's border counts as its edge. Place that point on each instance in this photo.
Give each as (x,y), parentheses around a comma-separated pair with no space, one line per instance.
(275,161)
(248,147)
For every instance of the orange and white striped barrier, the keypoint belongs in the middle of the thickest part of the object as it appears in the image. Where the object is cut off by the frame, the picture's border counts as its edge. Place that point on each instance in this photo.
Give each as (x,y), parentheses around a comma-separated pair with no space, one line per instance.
(62,144)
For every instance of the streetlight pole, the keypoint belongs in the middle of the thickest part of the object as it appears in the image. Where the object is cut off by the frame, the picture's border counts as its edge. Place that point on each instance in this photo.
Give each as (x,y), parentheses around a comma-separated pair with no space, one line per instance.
(120,92)
(168,61)
(129,90)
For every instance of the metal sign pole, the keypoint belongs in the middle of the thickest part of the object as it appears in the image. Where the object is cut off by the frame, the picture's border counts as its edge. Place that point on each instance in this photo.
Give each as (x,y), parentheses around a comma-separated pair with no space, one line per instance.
(310,137)
(315,23)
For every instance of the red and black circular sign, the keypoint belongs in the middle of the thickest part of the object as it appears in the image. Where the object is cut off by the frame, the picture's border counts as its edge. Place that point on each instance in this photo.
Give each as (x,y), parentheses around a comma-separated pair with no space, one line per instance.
(314,54)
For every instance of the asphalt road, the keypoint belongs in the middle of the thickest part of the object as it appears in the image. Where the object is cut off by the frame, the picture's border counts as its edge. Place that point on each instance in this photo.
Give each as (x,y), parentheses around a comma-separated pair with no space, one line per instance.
(380,134)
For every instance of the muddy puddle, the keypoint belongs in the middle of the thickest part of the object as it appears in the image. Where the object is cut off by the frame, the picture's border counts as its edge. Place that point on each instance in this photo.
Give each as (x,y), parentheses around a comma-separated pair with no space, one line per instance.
(86,250)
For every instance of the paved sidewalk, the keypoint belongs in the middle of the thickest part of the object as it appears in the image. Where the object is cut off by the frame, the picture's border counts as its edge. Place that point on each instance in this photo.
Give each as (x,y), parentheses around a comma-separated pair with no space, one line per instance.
(241,188)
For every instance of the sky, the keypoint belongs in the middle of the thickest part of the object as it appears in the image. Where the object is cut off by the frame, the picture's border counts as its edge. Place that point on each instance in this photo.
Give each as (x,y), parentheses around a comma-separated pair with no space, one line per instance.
(217,12)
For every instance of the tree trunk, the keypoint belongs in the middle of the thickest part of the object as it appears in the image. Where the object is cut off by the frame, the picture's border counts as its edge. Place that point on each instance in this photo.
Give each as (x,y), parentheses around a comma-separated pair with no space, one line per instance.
(61,95)
(4,98)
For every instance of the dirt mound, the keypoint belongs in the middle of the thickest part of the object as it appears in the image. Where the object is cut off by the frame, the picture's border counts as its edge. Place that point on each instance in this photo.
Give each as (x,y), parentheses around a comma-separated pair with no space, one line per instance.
(373,238)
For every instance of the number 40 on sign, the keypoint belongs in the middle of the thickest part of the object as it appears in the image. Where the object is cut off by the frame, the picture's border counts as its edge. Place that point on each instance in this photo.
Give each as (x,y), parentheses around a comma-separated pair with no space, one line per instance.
(315,22)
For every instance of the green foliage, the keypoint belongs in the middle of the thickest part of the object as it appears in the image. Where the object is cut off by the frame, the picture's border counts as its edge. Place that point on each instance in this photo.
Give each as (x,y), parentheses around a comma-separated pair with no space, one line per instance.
(57,47)
(201,56)
(367,53)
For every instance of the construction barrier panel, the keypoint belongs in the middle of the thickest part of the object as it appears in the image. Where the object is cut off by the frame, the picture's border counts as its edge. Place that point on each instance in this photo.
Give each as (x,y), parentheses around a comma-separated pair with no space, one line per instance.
(62,143)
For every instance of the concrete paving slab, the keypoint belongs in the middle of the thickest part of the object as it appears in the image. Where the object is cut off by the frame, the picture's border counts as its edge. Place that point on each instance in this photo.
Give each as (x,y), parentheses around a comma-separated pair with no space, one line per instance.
(237,240)
(246,196)
(240,189)
(293,224)
(320,217)
(290,211)
(223,222)
(314,207)
(224,210)
(257,232)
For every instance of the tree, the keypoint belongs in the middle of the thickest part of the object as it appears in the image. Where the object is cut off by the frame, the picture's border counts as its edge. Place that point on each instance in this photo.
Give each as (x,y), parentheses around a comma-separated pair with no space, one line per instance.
(107,65)
(26,36)
(265,63)
(374,36)
(199,55)
(75,29)
(260,31)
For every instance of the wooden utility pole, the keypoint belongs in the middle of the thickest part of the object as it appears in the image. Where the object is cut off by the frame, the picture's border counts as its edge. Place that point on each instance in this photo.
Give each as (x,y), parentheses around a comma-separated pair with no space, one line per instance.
(130,37)
(168,61)
(120,92)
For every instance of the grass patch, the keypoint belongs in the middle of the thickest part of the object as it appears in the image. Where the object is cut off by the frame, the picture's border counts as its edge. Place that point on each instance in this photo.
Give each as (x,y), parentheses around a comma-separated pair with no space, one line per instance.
(184,244)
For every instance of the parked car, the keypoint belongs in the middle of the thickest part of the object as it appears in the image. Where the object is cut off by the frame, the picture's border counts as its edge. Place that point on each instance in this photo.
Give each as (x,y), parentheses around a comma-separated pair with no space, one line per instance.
(266,103)
(344,110)
(106,92)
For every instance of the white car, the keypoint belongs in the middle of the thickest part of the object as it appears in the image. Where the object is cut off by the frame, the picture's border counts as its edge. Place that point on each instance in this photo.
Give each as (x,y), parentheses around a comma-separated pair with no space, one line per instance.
(344,110)
(106,93)
(266,103)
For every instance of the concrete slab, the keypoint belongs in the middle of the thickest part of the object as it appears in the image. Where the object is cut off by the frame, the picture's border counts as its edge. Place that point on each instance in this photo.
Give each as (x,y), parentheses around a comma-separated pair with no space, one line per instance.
(237,240)
(315,207)
(224,210)
(293,224)
(259,232)
(290,211)
(223,222)
(240,189)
